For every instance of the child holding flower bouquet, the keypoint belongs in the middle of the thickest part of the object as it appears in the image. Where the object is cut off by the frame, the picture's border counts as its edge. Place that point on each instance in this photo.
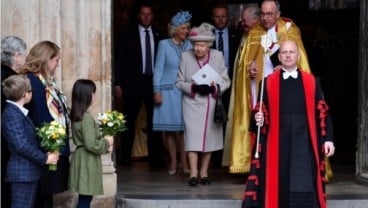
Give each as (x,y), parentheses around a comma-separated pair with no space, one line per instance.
(85,176)
(24,166)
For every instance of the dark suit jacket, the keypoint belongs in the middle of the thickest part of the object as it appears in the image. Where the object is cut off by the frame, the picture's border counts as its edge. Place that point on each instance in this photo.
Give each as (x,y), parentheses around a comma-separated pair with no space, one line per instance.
(234,40)
(26,159)
(128,59)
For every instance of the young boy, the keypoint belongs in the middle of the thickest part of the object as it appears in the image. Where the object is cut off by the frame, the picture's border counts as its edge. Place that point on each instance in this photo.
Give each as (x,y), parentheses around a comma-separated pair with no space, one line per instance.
(23,169)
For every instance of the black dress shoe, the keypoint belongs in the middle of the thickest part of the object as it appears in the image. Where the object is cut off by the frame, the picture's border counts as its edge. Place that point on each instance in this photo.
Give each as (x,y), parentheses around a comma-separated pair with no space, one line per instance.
(193,181)
(205,181)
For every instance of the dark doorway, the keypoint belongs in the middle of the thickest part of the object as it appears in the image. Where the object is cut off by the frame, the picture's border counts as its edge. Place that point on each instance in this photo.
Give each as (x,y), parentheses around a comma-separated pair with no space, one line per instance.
(330,35)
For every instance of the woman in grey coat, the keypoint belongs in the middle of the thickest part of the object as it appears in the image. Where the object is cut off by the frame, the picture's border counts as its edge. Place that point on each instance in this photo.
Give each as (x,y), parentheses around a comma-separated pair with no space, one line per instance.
(201,133)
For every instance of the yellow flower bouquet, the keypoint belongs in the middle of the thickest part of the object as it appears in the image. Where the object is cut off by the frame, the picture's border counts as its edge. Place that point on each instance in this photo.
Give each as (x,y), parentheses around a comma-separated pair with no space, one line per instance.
(111,122)
(52,137)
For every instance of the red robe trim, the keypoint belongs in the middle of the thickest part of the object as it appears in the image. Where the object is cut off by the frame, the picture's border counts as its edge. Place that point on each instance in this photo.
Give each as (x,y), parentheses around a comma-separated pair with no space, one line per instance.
(272,158)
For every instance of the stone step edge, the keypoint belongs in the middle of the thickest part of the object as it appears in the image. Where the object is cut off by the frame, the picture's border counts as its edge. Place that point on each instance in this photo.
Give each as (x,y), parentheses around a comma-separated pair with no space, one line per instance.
(218,203)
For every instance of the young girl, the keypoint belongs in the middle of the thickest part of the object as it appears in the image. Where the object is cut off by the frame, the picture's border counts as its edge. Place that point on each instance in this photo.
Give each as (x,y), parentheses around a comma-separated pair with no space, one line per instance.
(85,175)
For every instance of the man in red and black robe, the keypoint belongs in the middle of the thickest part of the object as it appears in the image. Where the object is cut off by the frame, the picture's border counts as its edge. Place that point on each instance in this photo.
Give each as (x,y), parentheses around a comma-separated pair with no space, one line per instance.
(296,135)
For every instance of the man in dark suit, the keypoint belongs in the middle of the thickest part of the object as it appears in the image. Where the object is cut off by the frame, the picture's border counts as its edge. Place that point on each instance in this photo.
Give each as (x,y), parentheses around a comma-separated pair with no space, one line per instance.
(135,57)
(227,41)
(230,37)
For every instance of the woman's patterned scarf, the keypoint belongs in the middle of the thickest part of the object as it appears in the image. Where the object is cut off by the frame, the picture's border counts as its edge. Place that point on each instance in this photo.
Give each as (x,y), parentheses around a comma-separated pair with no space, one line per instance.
(55,100)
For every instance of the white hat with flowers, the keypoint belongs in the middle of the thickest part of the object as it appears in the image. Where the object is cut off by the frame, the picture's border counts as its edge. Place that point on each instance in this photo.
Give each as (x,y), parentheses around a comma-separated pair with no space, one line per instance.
(202,33)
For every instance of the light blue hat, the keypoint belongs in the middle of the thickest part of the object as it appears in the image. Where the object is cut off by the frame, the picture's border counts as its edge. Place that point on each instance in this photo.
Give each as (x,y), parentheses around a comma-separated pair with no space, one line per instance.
(181,18)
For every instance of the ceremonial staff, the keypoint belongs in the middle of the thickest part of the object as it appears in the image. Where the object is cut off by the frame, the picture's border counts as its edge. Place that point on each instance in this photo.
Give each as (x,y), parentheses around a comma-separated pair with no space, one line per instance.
(266,42)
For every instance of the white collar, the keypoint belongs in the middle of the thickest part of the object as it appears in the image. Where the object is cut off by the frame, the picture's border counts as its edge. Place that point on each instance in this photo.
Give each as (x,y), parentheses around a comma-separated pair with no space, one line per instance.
(286,74)
(21,108)
(224,30)
(143,29)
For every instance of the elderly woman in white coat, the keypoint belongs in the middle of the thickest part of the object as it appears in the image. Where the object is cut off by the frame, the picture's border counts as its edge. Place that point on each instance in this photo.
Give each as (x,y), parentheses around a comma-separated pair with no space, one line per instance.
(201,133)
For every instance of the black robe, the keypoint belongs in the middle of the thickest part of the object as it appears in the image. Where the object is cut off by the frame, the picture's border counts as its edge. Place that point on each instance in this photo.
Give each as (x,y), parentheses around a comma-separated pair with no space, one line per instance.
(290,169)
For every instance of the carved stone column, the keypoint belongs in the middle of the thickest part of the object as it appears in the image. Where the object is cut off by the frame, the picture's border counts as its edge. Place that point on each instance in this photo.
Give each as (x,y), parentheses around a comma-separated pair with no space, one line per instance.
(362,145)
(82,29)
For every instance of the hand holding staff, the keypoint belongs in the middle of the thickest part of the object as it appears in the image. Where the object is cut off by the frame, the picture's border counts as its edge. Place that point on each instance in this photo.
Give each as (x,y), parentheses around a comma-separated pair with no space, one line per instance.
(266,42)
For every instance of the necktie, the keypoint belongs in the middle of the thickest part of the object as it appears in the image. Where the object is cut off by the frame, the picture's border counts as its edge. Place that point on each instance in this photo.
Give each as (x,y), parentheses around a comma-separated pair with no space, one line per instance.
(293,74)
(148,70)
(220,46)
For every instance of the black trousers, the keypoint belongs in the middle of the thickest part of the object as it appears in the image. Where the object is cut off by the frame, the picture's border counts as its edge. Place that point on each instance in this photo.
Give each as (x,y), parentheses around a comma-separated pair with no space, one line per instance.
(52,182)
(133,99)
(5,186)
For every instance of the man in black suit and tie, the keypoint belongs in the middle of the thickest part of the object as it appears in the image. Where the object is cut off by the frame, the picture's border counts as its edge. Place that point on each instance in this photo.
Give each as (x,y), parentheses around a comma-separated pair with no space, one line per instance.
(227,41)
(133,83)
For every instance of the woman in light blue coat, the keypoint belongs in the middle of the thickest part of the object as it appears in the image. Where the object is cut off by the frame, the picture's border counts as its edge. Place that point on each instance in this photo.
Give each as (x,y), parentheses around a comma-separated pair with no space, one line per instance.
(167,113)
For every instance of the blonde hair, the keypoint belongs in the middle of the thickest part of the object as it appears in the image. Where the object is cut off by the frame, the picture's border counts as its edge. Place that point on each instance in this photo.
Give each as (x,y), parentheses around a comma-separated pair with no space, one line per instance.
(15,86)
(38,58)
(172,28)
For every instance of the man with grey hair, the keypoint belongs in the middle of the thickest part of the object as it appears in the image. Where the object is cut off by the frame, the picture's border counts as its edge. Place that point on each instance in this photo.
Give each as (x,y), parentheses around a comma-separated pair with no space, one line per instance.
(13,56)
(234,150)
(13,53)
(250,16)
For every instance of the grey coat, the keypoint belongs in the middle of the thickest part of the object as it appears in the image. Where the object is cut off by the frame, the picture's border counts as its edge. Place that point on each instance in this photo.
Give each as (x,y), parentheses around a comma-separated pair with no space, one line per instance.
(201,133)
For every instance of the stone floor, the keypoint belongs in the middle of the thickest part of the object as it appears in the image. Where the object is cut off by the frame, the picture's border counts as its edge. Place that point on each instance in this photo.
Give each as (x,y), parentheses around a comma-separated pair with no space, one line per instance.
(142,187)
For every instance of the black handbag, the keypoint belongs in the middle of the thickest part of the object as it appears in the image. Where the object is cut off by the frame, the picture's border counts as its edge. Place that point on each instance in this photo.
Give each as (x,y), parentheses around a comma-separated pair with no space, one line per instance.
(220,112)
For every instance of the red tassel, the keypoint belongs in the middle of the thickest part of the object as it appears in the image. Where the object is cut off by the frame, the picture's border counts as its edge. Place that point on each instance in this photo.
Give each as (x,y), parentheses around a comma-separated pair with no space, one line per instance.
(256,163)
(323,109)
(254,178)
(253,194)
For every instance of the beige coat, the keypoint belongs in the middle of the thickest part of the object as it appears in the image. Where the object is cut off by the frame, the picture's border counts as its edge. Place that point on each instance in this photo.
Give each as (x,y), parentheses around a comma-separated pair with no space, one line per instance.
(201,133)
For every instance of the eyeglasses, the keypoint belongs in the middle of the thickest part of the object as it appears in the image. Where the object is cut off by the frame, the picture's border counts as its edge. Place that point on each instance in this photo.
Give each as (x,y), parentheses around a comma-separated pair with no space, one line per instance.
(267,14)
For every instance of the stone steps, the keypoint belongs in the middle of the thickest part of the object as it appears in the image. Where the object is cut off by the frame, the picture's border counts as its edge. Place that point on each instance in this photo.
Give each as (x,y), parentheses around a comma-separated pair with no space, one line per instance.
(139,187)
(218,203)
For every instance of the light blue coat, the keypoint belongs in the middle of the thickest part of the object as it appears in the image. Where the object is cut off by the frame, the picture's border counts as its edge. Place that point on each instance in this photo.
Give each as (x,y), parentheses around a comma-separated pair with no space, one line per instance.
(168,116)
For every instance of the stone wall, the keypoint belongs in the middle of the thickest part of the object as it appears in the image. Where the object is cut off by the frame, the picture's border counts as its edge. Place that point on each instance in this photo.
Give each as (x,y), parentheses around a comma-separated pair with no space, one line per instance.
(82,29)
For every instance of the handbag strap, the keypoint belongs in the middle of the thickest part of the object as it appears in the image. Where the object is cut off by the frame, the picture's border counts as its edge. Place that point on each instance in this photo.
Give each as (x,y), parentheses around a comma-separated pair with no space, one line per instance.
(219,92)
